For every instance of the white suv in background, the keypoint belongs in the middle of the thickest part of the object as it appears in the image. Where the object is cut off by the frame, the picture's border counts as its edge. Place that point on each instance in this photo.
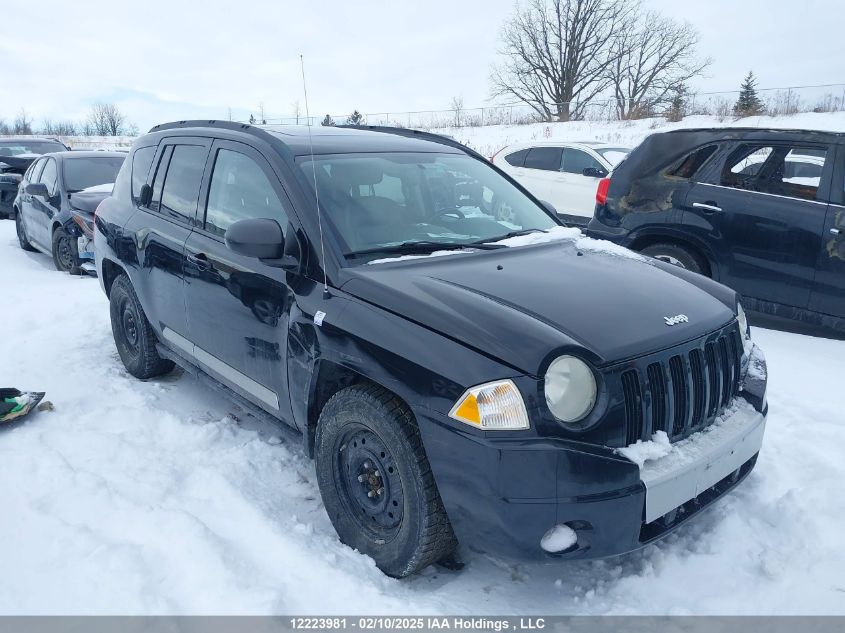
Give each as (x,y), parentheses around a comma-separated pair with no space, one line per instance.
(563,174)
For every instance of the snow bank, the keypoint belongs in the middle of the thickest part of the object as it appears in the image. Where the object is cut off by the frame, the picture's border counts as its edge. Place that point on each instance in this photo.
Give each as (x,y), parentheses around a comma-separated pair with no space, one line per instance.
(487,140)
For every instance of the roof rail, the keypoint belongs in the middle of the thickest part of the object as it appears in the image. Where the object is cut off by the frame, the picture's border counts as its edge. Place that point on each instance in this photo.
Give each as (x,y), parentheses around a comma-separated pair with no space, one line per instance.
(411,133)
(222,124)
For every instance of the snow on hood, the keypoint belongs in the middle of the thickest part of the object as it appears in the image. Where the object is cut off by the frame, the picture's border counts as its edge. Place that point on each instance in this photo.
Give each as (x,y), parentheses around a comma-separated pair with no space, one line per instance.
(555,234)
(104,188)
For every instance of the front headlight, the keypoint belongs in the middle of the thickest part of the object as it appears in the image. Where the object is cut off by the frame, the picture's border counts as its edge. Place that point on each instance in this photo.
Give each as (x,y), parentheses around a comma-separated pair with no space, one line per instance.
(742,320)
(570,389)
(493,406)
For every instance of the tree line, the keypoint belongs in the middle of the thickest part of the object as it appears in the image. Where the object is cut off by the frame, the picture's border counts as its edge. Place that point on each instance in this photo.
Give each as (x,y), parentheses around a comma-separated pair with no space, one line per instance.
(103,119)
(559,56)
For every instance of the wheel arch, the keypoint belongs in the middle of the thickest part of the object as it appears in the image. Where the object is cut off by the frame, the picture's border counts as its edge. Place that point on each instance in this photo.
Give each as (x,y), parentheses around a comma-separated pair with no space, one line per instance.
(644,240)
(110,272)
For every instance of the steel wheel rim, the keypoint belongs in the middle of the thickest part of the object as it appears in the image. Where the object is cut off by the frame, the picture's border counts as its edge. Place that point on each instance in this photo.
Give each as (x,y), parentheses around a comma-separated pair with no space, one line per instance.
(64,253)
(129,327)
(367,478)
(22,238)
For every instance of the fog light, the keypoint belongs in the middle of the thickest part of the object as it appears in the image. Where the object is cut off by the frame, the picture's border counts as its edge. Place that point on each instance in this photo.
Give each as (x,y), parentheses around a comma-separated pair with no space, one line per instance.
(558,539)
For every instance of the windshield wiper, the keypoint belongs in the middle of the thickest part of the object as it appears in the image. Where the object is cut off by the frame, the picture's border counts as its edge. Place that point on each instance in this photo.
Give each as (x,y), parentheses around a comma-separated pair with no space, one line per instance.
(421,246)
(491,241)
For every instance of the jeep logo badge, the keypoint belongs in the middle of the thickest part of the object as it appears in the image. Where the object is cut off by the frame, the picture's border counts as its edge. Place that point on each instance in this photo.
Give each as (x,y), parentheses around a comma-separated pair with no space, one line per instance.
(679,318)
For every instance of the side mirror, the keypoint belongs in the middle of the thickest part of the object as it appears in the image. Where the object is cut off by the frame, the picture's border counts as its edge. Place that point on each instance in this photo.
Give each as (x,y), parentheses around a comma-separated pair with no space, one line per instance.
(145,196)
(549,207)
(37,189)
(263,239)
(594,172)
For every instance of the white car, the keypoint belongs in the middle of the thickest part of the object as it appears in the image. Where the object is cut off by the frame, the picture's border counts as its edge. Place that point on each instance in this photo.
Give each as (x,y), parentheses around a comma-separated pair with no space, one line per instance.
(563,174)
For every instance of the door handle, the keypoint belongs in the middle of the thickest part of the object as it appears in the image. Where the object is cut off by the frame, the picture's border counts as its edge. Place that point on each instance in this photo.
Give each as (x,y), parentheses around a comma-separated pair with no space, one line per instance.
(200,260)
(707,207)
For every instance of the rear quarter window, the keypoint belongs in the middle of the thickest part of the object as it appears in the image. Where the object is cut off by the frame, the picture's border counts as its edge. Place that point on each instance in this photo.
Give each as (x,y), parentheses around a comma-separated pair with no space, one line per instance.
(142,159)
(690,164)
(516,158)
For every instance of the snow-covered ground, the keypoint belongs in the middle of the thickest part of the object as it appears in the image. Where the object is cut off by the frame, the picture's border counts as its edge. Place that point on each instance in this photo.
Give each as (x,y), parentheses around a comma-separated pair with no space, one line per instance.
(151,497)
(489,139)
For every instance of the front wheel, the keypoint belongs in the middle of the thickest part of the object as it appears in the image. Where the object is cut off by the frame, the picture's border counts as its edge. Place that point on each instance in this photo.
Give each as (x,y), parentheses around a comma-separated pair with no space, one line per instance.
(376,482)
(65,252)
(133,335)
(23,239)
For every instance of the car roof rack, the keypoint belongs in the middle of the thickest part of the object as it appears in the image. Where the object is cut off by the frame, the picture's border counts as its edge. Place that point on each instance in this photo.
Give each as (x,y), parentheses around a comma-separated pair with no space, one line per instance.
(412,133)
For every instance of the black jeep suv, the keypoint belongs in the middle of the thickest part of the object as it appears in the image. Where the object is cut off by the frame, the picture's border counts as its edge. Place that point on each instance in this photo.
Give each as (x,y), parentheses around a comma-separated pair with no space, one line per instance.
(762,211)
(457,377)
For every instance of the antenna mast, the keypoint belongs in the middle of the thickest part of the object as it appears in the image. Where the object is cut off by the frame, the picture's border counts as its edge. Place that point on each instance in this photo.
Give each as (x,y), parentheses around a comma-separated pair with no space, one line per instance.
(314,174)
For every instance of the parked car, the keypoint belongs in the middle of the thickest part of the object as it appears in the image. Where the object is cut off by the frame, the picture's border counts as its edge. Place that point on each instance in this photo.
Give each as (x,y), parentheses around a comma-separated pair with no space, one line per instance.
(563,174)
(54,209)
(16,155)
(762,211)
(456,377)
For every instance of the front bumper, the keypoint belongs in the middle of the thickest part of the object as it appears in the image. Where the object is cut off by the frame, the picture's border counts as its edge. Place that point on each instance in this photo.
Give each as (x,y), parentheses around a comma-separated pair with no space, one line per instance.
(503,494)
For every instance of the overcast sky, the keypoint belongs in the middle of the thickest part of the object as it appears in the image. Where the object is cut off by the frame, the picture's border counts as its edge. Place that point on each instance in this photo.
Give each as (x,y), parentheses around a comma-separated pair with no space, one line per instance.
(167,60)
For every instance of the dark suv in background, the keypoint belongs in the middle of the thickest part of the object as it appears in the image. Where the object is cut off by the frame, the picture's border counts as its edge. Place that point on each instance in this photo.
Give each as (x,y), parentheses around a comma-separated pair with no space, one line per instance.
(762,211)
(457,377)
(16,154)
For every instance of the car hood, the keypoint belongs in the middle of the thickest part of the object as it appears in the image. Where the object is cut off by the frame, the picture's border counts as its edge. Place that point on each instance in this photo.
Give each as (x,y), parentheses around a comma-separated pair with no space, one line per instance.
(524,306)
(18,164)
(88,200)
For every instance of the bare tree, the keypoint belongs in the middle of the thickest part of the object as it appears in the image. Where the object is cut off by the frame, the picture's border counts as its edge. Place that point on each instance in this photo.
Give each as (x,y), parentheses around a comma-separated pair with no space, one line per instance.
(557,53)
(261,114)
(651,59)
(296,110)
(22,123)
(105,119)
(58,128)
(458,109)
(230,113)
(4,128)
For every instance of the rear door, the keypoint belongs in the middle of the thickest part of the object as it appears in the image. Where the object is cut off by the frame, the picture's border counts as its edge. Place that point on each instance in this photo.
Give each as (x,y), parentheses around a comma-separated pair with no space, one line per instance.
(764,229)
(541,164)
(576,183)
(163,228)
(828,294)
(238,307)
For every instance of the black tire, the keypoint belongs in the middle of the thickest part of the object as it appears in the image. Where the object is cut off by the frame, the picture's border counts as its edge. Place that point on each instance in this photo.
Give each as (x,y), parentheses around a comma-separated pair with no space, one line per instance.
(65,252)
(133,335)
(23,239)
(404,528)
(677,255)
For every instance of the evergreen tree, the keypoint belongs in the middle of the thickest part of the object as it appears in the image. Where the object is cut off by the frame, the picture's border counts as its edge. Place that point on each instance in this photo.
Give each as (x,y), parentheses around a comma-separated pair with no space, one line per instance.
(356,118)
(748,103)
(328,120)
(251,120)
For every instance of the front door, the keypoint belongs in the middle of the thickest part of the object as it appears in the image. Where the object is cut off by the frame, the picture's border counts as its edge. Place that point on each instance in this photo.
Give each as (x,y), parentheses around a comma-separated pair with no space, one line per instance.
(237,306)
(764,226)
(45,209)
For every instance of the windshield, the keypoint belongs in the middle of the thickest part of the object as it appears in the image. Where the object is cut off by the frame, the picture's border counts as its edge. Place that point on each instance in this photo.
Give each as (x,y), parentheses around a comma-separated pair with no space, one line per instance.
(16,148)
(613,155)
(83,172)
(378,202)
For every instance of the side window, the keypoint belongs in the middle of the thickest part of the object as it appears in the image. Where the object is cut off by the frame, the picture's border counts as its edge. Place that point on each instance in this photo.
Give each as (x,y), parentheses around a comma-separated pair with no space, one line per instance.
(141,161)
(781,170)
(239,190)
(576,161)
(517,158)
(692,162)
(182,184)
(158,180)
(545,158)
(49,176)
(35,170)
